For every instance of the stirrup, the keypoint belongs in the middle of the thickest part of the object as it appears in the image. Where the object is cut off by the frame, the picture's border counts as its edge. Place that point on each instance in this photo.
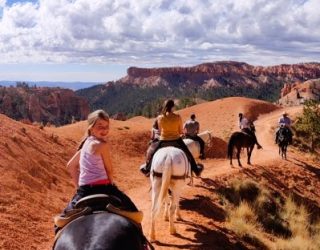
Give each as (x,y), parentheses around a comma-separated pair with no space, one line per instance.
(199,170)
(144,170)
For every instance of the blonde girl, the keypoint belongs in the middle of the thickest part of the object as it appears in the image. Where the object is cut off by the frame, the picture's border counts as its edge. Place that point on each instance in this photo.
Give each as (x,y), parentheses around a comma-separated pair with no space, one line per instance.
(91,167)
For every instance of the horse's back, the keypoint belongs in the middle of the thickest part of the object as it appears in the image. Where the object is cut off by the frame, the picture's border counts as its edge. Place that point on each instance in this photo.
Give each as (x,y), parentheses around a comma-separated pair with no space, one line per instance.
(103,231)
(176,157)
(241,138)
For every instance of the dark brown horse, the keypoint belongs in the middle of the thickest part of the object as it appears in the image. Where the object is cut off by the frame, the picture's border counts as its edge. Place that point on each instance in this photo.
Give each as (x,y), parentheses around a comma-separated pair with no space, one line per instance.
(283,140)
(241,140)
(100,229)
(105,231)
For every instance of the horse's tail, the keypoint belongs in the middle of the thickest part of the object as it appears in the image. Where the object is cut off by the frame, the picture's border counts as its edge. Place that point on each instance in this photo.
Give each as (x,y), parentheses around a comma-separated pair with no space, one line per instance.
(166,177)
(230,147)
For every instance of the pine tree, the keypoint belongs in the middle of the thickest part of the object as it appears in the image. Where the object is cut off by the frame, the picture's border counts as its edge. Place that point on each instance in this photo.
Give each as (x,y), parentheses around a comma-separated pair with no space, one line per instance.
(309,122)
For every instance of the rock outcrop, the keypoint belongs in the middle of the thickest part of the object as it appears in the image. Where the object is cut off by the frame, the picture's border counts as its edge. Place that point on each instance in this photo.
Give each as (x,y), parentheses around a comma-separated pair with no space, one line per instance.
(39,104)
(298,92)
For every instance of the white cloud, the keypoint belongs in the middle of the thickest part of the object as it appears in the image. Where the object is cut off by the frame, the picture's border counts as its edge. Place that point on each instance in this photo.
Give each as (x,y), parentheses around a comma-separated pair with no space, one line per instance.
(2,3)
(160,31)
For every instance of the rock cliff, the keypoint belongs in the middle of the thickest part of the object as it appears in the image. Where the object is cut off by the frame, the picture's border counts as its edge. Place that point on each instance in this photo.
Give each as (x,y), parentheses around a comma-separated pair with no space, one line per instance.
(40,104)
(227,73)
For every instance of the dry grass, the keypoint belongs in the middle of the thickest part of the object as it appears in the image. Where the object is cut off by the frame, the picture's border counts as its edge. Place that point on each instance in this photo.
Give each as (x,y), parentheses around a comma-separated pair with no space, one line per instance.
(305,235)
(242,220)
(275,222)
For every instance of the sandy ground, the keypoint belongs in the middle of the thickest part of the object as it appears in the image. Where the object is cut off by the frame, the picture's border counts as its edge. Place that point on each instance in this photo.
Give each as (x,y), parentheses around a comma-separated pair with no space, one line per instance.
(35,185)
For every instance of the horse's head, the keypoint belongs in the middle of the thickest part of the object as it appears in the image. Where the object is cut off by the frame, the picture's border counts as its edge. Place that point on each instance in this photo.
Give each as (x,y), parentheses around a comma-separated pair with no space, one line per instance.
(252,127)
(283,134)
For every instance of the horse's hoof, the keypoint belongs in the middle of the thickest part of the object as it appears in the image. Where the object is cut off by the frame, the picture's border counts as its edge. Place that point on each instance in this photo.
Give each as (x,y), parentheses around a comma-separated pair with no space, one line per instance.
(173,231)
(178,218)
(152,238)
(166,218)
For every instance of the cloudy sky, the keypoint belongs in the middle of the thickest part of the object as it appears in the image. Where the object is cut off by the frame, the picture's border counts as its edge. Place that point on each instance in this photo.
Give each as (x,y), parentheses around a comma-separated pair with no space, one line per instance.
(96,40)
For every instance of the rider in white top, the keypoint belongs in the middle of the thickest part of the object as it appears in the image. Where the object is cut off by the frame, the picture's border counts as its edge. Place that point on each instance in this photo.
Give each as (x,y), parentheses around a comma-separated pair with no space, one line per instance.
(191,129)
(243,123)
(245,126)
(285,121)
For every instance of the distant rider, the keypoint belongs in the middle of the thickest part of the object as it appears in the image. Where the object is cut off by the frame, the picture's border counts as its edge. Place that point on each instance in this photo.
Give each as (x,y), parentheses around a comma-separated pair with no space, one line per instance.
(155,133)
(285,122)
(246,126)
(170,126)
(191,129)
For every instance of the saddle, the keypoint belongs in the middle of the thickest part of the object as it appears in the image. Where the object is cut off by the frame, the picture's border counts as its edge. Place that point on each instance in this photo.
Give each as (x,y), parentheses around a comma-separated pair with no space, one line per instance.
(247,131)
(94,204)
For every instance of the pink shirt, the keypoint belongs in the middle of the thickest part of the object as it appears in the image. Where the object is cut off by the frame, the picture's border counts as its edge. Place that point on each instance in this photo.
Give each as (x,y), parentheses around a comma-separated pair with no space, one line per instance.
(92,168)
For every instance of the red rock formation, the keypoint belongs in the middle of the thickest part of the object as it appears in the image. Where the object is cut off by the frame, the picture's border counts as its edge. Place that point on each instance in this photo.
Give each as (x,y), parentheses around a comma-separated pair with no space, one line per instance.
(222,73)
(298,92)
(54,105)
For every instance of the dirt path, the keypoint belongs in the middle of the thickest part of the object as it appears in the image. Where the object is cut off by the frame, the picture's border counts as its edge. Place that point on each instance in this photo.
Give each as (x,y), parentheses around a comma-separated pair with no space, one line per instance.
(197,226)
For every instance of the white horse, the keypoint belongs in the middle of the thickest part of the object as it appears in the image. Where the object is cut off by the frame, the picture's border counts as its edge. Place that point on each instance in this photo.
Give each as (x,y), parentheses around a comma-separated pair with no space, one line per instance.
(169,169)
(194,146)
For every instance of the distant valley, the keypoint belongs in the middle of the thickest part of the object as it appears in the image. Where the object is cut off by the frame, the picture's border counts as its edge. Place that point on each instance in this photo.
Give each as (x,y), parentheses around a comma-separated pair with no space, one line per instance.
(67,85)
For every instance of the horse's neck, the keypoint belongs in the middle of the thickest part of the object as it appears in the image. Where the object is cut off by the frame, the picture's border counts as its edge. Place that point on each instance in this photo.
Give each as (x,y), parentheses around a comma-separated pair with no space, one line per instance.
(284,131)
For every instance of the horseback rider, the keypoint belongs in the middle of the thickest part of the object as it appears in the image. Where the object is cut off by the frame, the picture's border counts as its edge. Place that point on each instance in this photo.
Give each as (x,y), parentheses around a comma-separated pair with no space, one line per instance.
(191,129)
(155,133)
(170,127)
(91,167)
(247,127)
(284,123)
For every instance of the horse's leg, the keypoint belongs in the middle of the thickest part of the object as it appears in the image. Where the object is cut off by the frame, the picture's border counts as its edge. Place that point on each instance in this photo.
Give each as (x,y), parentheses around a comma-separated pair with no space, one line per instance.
(174,205)
(238,156)
(171,215)
(176,198)
(248,156)
(285,151)
(156,186)
(230,152)
(282,150)
(250,149)
(166,210)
